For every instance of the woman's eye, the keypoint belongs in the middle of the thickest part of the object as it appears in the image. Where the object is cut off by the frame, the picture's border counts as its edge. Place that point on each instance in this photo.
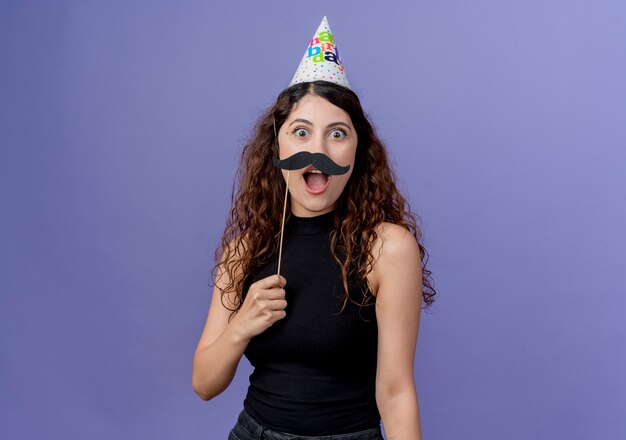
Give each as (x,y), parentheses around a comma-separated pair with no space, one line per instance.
(338,133)
(301,132)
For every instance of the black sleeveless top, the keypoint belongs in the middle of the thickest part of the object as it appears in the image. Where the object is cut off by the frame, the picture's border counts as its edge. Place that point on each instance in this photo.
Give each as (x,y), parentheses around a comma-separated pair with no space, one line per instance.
(315,370)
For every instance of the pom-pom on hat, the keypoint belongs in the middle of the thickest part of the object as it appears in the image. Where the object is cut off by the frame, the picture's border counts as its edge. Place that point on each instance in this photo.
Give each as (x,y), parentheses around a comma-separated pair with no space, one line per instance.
(321,59)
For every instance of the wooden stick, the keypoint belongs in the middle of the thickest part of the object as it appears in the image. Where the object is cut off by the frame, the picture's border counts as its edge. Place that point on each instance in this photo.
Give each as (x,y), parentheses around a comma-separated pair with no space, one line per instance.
(282,226)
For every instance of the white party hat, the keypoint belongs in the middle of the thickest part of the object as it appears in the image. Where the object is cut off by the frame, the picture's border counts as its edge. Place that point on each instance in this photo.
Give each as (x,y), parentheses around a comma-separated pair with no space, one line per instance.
(321,59)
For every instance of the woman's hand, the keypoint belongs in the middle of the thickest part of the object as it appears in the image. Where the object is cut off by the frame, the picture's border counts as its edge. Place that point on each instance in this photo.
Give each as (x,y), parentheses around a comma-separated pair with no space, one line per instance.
(263,305)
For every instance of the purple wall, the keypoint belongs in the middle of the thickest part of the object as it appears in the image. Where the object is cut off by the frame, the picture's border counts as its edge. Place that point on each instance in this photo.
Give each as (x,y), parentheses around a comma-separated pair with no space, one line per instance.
(120,126)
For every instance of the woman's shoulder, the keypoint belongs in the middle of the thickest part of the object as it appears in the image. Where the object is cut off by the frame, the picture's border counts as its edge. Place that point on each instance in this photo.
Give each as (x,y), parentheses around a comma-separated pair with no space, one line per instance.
(232,250)
(393,240)
(392,230)
(394,246)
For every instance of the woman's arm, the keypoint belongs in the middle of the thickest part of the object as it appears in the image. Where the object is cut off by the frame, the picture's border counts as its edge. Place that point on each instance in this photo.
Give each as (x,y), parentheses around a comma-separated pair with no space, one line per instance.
(398,276)
(218,352)
(223,343)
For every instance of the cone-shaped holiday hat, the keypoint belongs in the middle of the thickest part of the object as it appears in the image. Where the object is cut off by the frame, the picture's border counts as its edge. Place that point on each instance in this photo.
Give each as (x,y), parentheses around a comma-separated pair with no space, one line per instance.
(321,59)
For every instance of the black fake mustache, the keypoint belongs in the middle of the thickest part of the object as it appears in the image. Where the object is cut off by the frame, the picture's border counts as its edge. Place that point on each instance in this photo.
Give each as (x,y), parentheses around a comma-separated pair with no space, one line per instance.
(303,158)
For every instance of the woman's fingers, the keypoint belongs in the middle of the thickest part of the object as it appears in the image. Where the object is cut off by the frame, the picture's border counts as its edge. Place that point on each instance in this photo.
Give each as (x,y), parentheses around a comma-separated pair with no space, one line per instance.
(264,305)
(280,314)
(270,282)
(275,293)
(277,304)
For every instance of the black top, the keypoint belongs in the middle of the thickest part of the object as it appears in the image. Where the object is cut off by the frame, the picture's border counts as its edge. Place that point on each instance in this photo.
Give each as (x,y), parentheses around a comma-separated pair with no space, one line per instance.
(314,371)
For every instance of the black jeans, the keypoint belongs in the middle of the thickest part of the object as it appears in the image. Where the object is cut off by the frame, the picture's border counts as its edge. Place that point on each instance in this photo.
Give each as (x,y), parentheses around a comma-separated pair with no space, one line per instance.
(248,428)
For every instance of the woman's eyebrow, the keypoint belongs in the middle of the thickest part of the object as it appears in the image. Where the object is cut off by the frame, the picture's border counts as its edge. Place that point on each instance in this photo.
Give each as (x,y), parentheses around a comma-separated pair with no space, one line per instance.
(300,120)
(339,123)
(309,122)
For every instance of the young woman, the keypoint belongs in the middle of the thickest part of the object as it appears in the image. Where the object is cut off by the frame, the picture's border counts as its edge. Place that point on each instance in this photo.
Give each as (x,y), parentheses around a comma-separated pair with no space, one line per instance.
(332,338)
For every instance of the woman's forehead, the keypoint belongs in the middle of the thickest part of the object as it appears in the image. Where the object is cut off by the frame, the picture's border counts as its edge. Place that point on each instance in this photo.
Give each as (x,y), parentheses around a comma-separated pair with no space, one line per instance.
(318,111)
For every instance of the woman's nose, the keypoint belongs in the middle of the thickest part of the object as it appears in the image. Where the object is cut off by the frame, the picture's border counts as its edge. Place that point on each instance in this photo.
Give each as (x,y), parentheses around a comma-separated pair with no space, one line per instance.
(318,144)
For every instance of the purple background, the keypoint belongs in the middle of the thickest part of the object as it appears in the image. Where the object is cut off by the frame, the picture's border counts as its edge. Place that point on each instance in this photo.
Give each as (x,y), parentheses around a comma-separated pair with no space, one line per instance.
(120,128)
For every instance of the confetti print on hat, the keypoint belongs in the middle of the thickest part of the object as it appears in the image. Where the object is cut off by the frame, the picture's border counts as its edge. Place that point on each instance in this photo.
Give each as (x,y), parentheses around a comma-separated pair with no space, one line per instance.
(321,59)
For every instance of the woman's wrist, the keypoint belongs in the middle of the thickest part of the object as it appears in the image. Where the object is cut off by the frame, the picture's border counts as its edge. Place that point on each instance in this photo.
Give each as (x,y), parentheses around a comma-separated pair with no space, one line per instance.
(236,335)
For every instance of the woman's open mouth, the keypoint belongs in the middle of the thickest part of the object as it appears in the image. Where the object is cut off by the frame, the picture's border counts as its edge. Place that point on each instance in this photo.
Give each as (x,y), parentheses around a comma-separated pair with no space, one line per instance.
(315,181)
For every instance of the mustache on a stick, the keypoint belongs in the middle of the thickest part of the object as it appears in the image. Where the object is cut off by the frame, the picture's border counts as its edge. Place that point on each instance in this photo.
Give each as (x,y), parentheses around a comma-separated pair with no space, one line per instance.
(303,158)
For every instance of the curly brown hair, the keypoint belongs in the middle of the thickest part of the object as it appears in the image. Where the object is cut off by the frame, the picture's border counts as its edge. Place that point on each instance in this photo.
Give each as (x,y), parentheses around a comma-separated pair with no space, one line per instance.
(251,237)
